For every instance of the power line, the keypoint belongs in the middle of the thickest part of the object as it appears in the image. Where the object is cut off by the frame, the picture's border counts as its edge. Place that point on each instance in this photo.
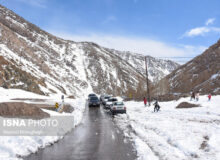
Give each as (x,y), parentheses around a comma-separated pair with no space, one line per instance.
(174,57)
(177,59)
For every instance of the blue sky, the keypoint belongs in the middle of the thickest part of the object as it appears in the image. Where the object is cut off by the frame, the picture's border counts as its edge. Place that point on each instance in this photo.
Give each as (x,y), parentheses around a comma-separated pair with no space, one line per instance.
(161,28)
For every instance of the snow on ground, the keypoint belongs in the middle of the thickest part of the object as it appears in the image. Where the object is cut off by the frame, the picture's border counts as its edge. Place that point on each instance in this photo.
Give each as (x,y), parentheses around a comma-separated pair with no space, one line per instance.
(174,134)
(7,94)
(10,146)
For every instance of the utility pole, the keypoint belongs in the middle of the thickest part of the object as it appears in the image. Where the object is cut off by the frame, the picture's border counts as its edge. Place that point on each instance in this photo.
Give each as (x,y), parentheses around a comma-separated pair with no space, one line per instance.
(116,88)
(119,68)
(21,51)
(148,89)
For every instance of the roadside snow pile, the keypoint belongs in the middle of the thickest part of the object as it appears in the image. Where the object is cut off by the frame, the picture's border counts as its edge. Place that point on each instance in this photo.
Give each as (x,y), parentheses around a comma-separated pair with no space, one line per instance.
(173,134)
(6,95)
(14,146)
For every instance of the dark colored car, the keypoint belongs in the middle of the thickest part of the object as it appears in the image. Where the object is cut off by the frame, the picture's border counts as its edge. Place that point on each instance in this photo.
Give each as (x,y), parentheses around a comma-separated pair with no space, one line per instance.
(92,95)
(93,101)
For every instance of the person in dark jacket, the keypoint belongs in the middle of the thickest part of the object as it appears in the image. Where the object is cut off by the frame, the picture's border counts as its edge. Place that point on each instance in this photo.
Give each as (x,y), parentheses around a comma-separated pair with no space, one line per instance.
(156,106)
(145,101)
(193,96)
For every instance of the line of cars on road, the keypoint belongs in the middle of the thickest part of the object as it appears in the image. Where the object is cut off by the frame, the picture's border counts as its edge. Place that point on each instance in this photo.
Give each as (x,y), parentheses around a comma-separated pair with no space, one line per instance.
(114,104)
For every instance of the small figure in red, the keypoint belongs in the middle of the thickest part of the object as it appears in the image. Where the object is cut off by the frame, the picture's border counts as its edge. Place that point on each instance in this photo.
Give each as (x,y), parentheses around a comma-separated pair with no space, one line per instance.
(209,96)
(145,101)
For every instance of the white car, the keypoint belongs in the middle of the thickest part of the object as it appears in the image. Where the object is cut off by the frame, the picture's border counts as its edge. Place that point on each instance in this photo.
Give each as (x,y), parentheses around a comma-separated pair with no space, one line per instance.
(118,107)
(105,99)
(110,102)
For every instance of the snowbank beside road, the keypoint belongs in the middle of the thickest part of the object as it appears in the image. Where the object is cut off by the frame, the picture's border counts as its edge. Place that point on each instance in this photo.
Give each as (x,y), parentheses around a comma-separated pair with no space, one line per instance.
(6,95)
(172,133)
(12,146)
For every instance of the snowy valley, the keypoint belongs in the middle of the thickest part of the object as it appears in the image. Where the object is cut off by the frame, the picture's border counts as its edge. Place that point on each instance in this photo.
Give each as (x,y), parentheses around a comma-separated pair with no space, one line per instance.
(39,70)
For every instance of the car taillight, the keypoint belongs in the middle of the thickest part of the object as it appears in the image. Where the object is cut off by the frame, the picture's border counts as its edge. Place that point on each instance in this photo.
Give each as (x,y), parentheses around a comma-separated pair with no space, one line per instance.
(124,108)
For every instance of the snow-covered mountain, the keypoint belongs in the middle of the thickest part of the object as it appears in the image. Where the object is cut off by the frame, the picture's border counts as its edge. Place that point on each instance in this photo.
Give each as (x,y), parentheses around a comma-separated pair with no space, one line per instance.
(37,61)
(157,68)
(200,74)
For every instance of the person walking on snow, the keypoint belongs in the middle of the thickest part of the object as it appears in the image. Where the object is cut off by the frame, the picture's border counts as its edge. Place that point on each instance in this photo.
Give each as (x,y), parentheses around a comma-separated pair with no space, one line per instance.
(209,96)
(156,106)
(62,98)
(145,101)
(197,96)
(193,96)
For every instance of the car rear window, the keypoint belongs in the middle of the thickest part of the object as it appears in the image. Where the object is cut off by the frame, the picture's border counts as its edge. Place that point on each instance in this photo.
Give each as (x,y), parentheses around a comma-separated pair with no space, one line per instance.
(92,95)
(112,100)
(119,103)
(94,98)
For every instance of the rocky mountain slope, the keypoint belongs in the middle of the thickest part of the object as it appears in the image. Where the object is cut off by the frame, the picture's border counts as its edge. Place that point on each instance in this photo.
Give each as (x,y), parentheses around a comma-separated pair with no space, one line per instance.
(42,63)
(13,77)
(200,74)
(157,68)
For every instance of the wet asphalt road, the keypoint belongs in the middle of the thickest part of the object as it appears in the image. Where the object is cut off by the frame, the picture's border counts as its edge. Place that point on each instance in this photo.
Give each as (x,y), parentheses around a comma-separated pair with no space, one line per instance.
(97,138)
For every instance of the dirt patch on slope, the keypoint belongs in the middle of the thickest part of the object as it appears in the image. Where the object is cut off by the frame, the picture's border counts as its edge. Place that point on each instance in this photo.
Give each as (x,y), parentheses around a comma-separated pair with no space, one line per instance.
(68,108)
(204,145)
(22,110)
(187,105)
